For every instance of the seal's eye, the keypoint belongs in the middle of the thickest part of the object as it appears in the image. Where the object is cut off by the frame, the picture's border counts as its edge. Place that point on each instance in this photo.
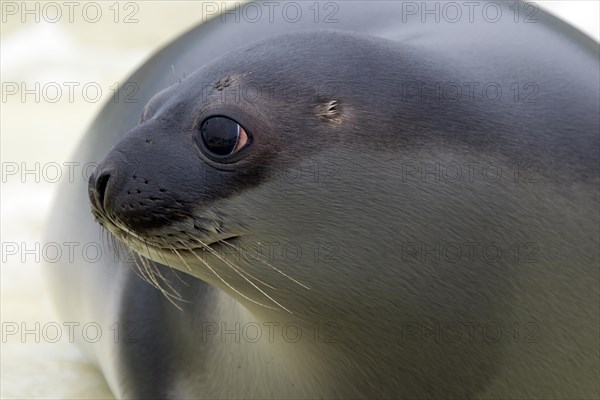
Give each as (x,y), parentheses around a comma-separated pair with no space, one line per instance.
(222,136)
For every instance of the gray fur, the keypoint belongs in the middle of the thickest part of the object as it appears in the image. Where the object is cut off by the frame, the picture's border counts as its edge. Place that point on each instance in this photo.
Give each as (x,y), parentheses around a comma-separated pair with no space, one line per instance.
(366,207)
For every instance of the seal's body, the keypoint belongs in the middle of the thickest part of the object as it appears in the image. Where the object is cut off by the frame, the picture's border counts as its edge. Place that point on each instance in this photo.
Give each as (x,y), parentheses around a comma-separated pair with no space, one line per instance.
(405,210)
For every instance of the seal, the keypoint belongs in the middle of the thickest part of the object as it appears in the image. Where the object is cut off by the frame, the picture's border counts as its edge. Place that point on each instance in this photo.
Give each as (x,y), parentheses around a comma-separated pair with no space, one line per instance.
(399,211)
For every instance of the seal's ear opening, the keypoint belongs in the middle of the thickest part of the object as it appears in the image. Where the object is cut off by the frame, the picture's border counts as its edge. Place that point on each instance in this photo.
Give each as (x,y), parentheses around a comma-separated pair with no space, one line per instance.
(221,137)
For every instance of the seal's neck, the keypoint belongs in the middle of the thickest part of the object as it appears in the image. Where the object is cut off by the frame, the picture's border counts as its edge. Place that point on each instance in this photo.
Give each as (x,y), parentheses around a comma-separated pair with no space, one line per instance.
(291,356)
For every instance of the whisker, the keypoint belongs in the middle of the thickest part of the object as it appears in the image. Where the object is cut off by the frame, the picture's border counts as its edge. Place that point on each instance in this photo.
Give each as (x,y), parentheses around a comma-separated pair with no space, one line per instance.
(157,272)
(174,272)
(237,267)
(272,266)
(140,271)
(246,279)
(149,275)
(218,276)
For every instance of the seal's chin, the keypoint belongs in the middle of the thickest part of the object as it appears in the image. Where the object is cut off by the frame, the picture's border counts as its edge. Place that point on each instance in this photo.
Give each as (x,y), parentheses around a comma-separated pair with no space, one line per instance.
(180,247)
(170,241)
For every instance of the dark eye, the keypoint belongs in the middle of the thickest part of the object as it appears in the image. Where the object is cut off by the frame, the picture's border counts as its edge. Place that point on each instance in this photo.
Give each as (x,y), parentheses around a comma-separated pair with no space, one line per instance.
(222,136)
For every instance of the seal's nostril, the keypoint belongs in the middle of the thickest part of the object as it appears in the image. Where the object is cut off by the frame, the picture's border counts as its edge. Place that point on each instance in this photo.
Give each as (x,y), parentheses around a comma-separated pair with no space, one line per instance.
(101,184)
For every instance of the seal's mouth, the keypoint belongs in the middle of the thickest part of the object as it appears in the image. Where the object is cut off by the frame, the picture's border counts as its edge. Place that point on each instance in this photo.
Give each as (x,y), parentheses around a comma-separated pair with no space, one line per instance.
(172,241)
(166,228)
